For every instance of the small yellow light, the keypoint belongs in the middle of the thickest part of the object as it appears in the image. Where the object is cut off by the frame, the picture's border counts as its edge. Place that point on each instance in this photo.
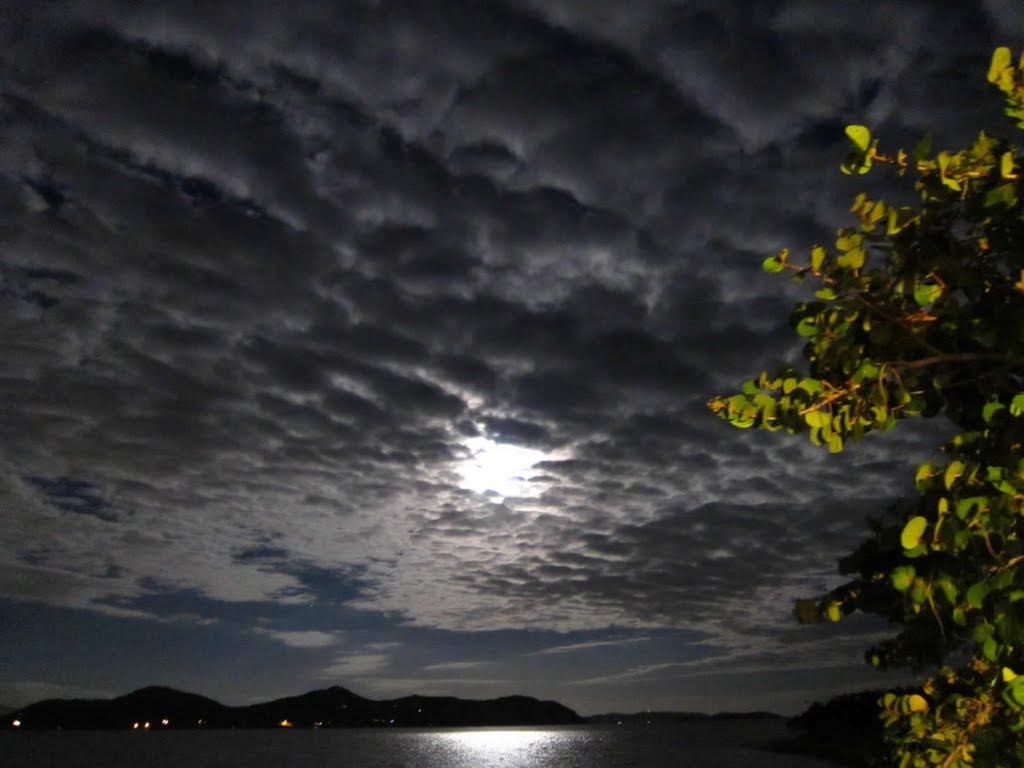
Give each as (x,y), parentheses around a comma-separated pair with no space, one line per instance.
(16,723)
(146,726)
(165,721)
(286,723)
(135,726)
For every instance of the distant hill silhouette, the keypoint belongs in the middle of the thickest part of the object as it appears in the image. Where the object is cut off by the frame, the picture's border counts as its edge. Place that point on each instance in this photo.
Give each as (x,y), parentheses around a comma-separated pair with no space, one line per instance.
(160,708)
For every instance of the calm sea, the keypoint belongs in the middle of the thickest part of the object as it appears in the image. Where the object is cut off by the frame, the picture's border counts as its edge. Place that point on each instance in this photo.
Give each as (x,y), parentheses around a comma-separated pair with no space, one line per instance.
(732,744)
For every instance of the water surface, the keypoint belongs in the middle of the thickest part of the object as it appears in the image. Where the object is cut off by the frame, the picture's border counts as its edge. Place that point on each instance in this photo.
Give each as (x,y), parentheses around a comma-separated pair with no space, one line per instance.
(726,744)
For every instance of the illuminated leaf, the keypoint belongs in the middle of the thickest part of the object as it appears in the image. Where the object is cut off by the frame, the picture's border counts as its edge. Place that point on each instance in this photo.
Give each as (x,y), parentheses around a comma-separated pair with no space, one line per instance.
(810,386)
(1006,165)
(1017,405)
(817,257)
(807,327)
(816,419)
(953,473)
(902,577)
(913,531)
(1001,61)
(860,136)
(900,219)
(924,474)
(965,506)
(852,259)
(917,703)
(990,410)
(926,294)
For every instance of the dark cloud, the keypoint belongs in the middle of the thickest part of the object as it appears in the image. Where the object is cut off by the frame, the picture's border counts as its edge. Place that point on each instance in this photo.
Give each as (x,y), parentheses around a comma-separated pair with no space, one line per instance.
(76,496)
(279,283)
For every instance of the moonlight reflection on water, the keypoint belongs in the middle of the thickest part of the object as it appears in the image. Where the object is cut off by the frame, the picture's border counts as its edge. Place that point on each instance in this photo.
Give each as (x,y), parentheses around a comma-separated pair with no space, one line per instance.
(506,746)
(694,745)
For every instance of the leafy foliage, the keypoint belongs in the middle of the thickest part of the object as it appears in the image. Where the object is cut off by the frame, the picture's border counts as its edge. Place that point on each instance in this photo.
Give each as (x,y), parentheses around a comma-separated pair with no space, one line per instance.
(919,311)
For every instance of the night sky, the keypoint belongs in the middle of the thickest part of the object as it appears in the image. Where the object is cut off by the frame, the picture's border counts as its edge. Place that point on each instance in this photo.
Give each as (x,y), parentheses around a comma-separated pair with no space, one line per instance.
(367,343)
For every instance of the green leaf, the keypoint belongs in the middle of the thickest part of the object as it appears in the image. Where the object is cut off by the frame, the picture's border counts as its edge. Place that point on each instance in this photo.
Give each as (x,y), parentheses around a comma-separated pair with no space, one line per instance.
(965,506)
(860,135)
(1006,165)
(1000,581)
(953,473)
(817,258)
(913,531)
(1004,194)
(915,702)
(772,264)
(926,294)
(900,219)
(1017,405)
(918,592)
(952,183)
(922,149)
(852,259)
(902,577)
(990,649)
(990,410)
(925,472)
(826,293)
(816,419)
(848,240)
(948,589)
(807,327)
(1001,61)
(811,386)
(997,477)
(976,595)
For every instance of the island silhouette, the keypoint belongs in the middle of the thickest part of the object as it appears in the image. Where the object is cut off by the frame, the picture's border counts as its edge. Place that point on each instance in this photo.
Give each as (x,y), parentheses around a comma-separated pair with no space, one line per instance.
(161,708)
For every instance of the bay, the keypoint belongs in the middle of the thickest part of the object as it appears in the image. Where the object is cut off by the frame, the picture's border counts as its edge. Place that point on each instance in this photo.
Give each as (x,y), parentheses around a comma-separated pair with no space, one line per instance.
(699,744)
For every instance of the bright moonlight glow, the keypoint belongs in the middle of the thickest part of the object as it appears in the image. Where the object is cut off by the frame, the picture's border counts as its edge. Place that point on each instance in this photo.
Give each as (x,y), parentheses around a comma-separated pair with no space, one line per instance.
(500,468)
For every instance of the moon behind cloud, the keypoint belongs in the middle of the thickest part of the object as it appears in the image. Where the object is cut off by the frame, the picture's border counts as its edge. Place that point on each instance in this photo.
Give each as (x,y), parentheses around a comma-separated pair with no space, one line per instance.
(501,469)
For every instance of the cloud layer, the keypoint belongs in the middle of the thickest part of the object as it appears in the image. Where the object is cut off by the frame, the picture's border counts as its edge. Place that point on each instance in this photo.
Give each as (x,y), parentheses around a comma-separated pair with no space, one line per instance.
(270,280)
